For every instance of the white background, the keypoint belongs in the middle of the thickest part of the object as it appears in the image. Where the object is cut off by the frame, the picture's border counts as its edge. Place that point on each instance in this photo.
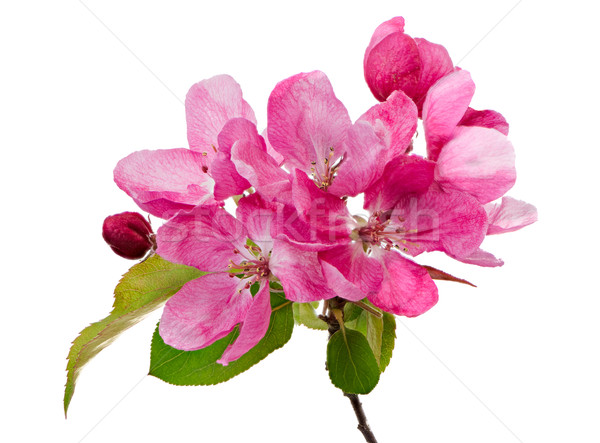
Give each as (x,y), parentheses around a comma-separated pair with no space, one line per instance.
(83,85)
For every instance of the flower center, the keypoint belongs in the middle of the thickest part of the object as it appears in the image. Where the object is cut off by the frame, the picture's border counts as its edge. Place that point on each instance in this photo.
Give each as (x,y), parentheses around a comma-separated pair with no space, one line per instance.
(324,172)
(381,231)
(253,269)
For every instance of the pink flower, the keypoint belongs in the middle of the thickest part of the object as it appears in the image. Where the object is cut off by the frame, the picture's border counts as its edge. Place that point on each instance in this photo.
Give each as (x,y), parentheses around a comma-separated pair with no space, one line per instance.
(395,61)
(409,214)
(478,160)
(311,129)
(165,181)
(254,246)
(473,155)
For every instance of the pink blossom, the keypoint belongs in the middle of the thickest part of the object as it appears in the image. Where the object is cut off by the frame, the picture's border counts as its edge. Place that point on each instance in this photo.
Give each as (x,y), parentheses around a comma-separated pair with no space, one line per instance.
(311,129)
(479,160)
(409,214)
(395,61)
(165,181)
(254,246)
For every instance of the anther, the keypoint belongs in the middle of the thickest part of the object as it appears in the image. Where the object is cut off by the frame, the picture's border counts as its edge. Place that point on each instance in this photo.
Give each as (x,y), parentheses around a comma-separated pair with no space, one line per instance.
(205,169)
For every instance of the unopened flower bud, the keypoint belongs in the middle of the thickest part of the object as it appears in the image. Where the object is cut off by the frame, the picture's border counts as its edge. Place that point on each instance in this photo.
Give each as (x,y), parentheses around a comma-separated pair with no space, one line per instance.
(128,234)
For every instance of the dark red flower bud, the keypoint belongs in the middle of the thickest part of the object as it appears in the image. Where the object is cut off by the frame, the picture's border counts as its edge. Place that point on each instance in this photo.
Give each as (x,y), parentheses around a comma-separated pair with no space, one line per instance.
(128,234)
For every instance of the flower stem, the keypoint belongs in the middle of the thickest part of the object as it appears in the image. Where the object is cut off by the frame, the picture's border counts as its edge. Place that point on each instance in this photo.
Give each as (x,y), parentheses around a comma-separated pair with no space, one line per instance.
(334,326)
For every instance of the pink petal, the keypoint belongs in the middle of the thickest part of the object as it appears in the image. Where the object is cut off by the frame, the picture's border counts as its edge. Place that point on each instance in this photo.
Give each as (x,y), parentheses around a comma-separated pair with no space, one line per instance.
(258,216)
(480,161)
(436,64)
(306,120)
(445,105)
(204,237)
(165,181)
(254,326)
(452,222)
(509,215)
(350,272)
(406,289)
(481,258)
(391,26)
(327,214)
(403,175)
(210,104)
(363,161)
(228,181)
(394,121)
(203,311)
(239,129)
(393,64)
(485,119)
(261,170)
(299,272)
(271,151)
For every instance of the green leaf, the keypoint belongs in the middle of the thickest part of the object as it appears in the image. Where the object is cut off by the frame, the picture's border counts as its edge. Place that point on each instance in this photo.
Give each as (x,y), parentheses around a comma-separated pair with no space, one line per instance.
(388,339)
(351,363)
(380,332)
(374,334)
(305,314)
(144,288)
(351,312)
(201,368)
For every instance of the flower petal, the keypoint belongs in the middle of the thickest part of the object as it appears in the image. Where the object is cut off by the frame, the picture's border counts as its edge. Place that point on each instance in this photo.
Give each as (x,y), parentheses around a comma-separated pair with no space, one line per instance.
(391,26)
(510,215)
(306,120)
(228,181)
(203,311)
(481,258)
(350,272)
(165,181)
(394,121)
(272,152)
(393,64)
(204,237)
(258,216)
(261,170)
(445,105)
(406,289)
(253,328)
(436,64)
(327,214)
(239,129)
(299,272)
(363,161)
(405,174)
(480,161)
(485,119)
(210,104)
(452,222)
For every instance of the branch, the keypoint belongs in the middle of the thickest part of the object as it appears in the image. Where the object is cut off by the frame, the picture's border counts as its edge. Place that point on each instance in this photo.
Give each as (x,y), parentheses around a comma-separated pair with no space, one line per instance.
(363,426)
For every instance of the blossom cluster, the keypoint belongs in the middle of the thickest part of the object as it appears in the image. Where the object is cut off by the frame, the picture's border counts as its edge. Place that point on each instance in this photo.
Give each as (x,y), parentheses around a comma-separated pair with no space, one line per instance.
(291,183)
